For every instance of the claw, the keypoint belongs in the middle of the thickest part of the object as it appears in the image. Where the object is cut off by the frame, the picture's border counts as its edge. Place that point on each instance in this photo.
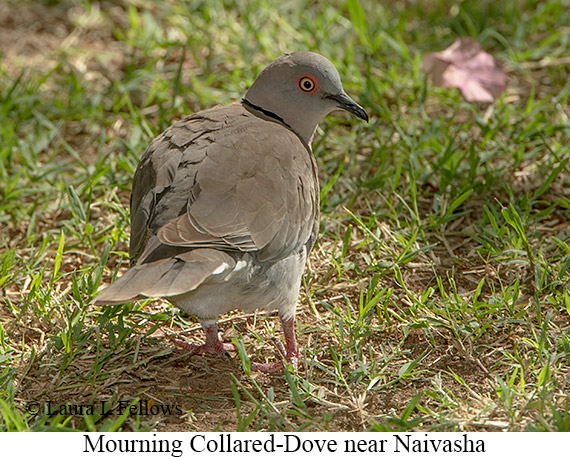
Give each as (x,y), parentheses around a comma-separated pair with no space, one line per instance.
(291,354)
(222,348)
(213,345)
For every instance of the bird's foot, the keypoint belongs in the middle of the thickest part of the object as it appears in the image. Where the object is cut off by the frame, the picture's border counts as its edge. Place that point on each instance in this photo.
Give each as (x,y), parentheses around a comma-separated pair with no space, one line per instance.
(206,348)
(290,355)
(213,344)
(268,367)
(275,366)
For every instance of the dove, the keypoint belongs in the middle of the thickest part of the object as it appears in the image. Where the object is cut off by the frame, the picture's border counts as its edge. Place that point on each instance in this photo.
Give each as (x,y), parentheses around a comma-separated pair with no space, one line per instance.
(225,204)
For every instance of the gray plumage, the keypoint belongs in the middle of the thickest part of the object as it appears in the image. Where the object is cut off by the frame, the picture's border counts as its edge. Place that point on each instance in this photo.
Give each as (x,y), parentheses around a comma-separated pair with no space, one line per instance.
(225,202)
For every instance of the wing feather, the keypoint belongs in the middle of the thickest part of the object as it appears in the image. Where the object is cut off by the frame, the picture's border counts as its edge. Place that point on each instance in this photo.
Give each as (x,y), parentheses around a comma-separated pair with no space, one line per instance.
(229,180)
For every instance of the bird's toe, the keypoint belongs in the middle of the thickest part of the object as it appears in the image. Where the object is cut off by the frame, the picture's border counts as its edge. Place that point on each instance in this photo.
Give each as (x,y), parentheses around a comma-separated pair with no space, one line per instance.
(207,348)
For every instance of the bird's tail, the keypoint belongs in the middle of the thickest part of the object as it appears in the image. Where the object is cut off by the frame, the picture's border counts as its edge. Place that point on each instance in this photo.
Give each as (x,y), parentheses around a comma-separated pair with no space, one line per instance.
(167,277)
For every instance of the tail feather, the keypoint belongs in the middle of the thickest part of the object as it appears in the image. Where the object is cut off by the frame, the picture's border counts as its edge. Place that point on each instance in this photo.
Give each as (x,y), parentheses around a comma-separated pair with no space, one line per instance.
(167,277)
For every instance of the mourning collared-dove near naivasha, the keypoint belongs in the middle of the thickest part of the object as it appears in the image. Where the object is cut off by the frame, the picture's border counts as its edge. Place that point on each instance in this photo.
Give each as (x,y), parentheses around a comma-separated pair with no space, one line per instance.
(225,203)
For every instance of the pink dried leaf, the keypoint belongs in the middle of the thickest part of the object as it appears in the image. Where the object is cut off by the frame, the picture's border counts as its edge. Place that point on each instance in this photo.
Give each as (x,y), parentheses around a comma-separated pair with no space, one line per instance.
(477,74)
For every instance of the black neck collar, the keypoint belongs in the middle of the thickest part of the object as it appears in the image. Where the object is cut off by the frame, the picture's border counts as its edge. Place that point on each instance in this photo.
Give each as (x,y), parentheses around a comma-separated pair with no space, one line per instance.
(267,113)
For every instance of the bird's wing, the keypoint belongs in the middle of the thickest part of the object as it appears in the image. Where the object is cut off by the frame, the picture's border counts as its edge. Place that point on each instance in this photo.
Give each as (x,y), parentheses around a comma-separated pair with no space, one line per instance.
(228,180)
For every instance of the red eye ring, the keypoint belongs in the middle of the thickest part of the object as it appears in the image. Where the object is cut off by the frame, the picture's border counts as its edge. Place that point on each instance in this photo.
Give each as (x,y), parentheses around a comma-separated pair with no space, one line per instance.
(308,84)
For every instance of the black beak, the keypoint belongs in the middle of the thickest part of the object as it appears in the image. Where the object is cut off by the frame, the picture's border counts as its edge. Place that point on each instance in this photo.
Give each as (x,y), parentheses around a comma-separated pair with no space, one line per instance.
(348,104)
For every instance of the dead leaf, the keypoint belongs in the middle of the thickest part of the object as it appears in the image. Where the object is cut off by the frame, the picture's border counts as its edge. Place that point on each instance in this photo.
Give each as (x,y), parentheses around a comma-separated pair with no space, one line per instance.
(477,74)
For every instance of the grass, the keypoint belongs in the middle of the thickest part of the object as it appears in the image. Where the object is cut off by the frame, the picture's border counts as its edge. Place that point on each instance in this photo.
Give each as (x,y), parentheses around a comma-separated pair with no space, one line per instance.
(437,295)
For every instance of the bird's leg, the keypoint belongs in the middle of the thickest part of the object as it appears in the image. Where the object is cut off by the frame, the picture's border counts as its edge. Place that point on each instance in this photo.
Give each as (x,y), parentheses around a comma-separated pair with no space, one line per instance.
(290,353)
(212,344)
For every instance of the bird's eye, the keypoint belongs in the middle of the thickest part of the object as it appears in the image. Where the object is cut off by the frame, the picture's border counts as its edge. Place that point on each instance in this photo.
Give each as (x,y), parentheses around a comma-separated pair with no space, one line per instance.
(308,84)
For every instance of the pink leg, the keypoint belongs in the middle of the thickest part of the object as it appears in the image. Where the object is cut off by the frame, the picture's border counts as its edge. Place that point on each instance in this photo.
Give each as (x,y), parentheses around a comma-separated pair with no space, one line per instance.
(212,344)
(291,354)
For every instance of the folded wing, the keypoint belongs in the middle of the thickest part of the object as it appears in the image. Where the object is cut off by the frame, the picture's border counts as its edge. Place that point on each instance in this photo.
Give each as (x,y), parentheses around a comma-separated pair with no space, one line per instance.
(221,181)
